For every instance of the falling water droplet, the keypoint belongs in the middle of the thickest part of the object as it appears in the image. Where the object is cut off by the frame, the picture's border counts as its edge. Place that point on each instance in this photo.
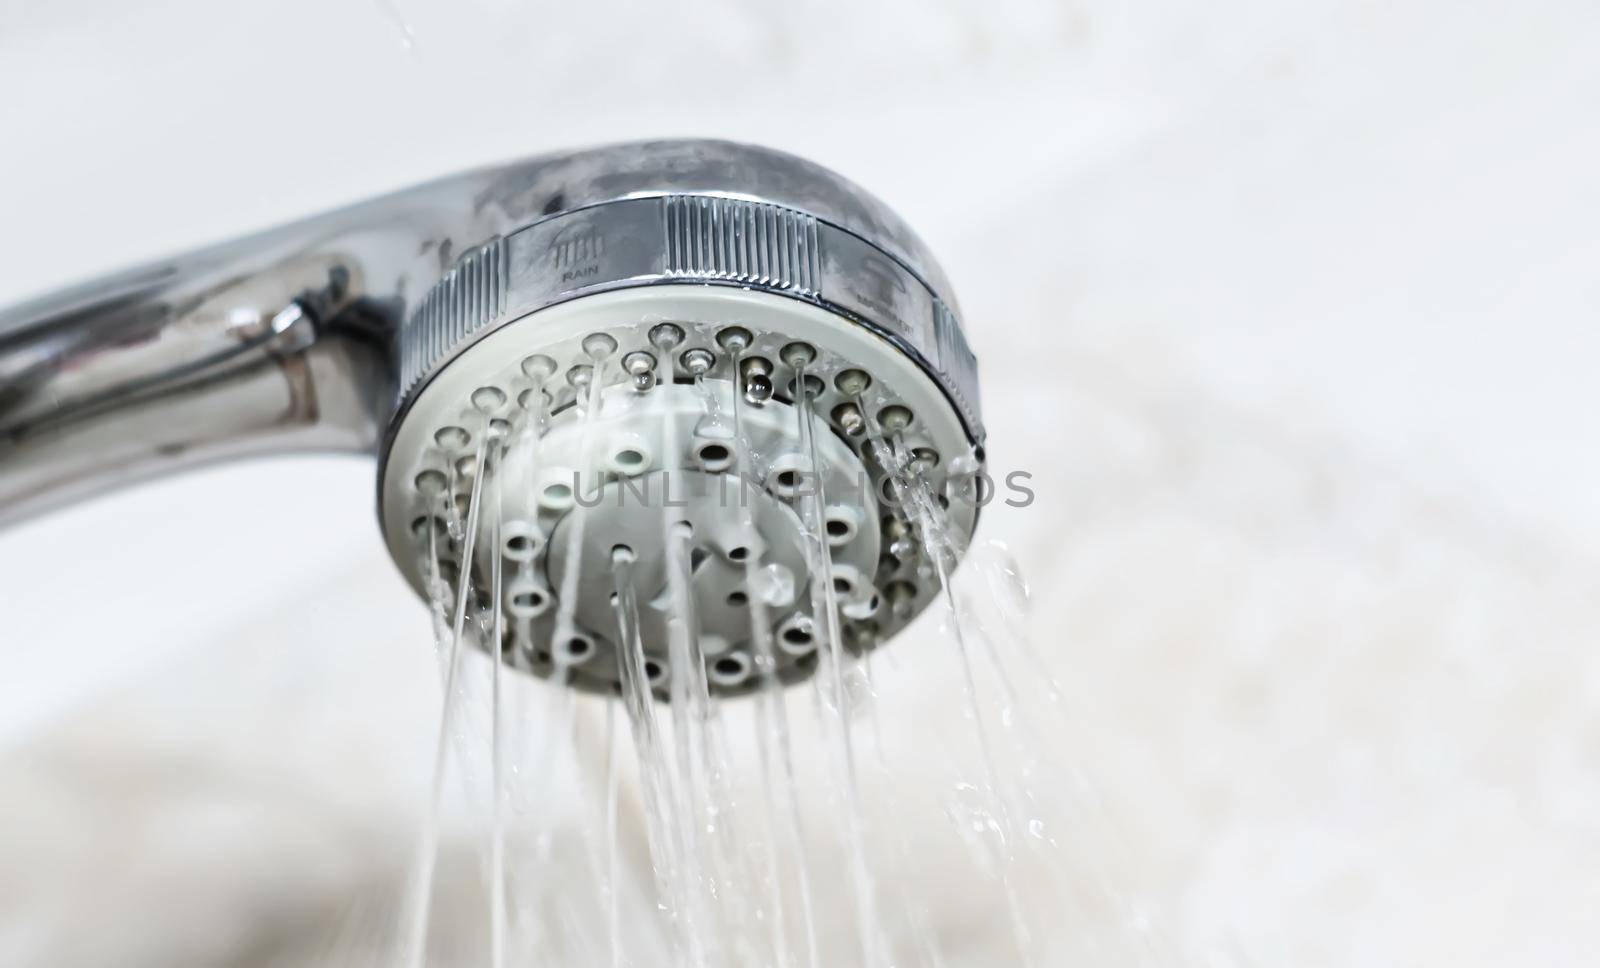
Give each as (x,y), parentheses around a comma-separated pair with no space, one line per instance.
(774,584)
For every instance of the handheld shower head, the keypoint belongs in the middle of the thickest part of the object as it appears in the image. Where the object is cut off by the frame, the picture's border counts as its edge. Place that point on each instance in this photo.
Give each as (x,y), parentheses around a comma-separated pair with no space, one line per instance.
(726,369)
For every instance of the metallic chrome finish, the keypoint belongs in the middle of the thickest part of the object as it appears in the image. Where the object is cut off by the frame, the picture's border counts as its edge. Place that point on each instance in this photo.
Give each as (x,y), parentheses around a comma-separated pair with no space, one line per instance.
(469,297)
(163,370)
(702,240)
(739,241)
(305,337)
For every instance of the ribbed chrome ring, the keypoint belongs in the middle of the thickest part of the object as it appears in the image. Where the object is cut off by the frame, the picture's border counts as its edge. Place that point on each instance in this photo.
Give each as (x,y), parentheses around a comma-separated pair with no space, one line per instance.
(695,238)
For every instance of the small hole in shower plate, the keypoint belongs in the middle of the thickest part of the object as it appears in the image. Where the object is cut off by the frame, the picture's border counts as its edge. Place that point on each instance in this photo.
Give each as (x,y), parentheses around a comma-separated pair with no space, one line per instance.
(521,540)
(714,456)
(576,649)
(452,438)
(431,483)
(629,461)
(488,399)
(556,496)
(420,527)
(729,670)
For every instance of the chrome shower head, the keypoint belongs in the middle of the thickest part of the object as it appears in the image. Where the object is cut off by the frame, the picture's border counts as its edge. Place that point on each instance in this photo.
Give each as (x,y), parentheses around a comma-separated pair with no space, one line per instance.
(625,346)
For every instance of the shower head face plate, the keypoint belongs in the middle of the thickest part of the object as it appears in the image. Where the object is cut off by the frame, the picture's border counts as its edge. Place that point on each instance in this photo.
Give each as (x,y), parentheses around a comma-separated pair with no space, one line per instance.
(656,471)
(648,462)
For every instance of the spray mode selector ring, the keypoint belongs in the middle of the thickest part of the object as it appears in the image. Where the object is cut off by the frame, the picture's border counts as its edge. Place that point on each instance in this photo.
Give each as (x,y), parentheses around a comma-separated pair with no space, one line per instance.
(691,221)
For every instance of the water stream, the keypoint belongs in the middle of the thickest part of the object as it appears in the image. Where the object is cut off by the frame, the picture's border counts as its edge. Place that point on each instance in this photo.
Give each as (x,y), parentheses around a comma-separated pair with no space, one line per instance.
(701,831)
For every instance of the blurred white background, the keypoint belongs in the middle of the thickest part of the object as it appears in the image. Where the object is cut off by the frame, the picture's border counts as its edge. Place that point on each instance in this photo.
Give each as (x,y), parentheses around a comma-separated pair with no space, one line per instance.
(1290,308)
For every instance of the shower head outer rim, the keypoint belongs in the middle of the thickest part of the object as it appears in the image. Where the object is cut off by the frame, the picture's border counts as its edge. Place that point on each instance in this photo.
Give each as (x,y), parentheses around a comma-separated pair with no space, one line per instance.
(673,226)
